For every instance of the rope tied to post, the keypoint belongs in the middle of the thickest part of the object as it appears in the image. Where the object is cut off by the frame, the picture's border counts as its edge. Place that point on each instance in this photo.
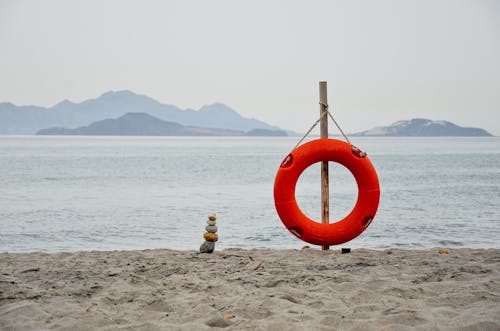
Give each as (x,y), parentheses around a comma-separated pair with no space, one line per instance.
(354,149)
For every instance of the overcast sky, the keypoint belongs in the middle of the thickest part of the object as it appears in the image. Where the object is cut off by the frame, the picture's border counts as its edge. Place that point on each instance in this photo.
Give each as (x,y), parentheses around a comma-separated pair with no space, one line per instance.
(384,60)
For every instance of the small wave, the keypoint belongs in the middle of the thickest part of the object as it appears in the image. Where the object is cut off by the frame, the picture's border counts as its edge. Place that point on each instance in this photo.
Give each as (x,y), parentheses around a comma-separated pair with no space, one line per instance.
(450,243)
(52,178)
(260,239)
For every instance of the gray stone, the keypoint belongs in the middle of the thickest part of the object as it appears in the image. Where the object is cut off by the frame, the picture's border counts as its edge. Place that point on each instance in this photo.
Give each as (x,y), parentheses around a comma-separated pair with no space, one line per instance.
(207,247)
(211,228)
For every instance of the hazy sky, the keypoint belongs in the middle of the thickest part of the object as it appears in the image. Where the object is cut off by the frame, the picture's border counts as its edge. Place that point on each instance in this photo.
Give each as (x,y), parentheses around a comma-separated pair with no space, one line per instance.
(383,60)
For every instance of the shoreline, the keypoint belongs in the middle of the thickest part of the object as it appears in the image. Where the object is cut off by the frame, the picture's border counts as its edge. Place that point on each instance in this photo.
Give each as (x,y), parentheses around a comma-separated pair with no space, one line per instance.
(254,289)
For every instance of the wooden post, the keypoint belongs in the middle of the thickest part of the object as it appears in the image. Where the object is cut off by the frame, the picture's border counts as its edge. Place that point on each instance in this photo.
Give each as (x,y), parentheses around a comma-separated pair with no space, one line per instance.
(325,192)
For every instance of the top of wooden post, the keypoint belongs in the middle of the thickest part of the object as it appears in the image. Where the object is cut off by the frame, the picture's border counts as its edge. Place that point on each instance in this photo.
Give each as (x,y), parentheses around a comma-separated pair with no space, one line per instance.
(323,102)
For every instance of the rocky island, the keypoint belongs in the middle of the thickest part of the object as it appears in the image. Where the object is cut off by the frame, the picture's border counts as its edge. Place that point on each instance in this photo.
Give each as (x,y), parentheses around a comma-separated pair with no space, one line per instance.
(421,127)
(142,124)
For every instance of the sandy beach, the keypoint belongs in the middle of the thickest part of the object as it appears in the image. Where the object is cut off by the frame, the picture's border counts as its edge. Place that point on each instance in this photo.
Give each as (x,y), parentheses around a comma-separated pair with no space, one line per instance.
(433,289)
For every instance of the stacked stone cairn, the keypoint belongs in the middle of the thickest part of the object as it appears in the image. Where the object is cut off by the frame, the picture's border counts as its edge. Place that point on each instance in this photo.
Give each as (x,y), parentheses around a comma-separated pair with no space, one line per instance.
(210,236)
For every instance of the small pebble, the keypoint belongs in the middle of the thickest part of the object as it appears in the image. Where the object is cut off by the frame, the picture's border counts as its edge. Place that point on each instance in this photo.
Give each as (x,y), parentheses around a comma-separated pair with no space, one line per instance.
(211,223)
(212,217)
(210,236)
(444,251)
(211,228)
(207,247)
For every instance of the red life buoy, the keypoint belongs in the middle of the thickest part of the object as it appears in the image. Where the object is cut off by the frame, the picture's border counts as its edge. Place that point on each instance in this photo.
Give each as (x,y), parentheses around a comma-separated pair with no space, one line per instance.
(350,226)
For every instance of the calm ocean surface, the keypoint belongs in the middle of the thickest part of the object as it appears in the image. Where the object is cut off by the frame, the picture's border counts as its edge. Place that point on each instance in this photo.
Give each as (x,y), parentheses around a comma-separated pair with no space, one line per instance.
(107,193)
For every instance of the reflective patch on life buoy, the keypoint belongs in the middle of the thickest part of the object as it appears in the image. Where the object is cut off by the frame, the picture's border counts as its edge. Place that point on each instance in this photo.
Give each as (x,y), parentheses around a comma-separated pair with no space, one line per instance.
(287,161)
(356,151)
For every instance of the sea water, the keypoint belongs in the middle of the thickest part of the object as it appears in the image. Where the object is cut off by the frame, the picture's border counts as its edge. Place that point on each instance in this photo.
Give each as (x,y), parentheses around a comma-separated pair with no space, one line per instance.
(121,193)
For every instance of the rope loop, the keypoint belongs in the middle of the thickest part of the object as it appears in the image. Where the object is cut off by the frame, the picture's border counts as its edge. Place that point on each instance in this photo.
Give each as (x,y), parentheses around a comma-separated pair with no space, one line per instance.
(327,112)
(310,129)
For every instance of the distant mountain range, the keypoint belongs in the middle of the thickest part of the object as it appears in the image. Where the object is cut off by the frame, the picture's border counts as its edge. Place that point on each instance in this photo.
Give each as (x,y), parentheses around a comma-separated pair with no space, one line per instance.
(105,115)
(111,105)
(142,124)
(421,127)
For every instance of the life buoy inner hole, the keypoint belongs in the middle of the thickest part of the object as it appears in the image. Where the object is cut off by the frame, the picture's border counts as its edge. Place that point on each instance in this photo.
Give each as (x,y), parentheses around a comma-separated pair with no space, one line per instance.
(342,188)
